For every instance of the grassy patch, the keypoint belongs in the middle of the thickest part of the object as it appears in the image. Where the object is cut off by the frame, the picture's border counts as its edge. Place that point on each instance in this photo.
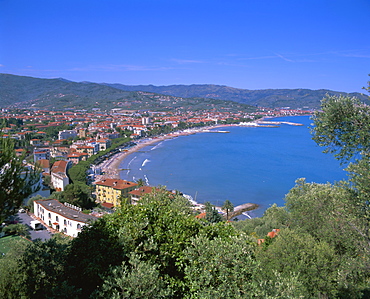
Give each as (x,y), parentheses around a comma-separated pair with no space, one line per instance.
(7,242)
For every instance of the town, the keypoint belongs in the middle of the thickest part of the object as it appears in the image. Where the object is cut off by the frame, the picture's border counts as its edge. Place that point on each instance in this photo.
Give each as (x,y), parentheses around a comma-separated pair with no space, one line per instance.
(70,149)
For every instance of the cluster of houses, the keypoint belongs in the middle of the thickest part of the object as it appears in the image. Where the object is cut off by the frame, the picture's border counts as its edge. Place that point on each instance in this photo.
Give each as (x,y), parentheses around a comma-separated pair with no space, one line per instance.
(69,219)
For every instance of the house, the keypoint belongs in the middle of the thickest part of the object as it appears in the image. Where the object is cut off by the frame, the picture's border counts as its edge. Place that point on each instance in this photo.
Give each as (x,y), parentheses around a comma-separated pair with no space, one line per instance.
(64,218)
(111,190)
(77,157)
(59,177)
(104,143)
(271,234)
(141,191)
(89,150)
(40,154)
(66,134)
(44,165)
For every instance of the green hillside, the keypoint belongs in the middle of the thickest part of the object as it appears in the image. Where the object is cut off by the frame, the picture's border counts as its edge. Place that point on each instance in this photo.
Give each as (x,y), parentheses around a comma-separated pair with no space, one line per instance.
(274,98)
(25,92)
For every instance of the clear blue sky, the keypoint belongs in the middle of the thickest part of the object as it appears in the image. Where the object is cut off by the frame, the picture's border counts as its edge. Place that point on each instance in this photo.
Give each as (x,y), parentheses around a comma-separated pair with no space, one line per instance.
(251,44)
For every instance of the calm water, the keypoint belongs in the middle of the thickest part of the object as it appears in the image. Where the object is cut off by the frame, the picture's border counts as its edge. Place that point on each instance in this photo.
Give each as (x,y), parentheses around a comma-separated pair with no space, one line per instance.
(258,165)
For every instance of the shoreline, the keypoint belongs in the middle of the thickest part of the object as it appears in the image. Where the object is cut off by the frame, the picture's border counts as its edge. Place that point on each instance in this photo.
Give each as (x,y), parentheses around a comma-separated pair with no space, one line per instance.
(110,168)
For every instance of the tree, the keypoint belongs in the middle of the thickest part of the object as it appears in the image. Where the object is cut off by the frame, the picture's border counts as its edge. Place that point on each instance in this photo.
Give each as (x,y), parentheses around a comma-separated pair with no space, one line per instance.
(228,207)
(315,263)
(212,214)
(342,127)
(43,265)
(78,194)
(329,213)
(17,181)
(140,182)
(135,279)
(18,229)
(219,268)
(12,278)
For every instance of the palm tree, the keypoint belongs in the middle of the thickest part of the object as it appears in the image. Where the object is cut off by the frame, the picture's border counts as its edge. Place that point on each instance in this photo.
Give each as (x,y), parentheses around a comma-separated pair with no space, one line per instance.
(228,207)
(140,182)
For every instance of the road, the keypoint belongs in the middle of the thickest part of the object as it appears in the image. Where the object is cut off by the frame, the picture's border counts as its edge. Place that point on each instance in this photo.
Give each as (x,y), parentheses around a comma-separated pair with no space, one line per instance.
(43,234)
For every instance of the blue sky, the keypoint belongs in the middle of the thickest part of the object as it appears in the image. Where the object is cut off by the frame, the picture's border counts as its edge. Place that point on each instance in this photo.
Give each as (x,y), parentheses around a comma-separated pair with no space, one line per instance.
(250,44)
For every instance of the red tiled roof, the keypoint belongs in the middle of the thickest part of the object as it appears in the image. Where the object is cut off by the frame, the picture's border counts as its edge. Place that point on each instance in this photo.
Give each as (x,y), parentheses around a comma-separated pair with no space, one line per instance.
(116,184)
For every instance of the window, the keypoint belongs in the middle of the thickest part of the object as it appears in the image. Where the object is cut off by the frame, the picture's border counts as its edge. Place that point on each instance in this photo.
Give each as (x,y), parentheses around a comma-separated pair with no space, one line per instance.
(65,222)
(78,226)
(57,218)
(49,215)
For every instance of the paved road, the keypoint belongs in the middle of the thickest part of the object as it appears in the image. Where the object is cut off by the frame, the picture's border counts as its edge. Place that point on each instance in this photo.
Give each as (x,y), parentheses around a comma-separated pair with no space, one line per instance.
(43,234)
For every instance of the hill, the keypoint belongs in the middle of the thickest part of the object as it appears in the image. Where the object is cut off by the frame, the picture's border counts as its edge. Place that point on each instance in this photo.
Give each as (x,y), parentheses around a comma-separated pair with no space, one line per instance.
(26,92)
(273,98)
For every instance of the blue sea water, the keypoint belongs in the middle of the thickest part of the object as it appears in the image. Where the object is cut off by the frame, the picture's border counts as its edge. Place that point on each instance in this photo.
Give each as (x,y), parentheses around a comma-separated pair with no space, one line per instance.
(256,165)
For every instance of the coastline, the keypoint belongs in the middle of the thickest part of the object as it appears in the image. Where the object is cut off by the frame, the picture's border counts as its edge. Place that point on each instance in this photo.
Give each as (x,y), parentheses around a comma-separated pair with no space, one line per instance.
(110,168)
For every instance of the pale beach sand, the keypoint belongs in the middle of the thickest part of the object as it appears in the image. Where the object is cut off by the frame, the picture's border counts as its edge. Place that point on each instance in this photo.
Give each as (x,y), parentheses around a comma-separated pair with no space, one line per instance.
(111,166)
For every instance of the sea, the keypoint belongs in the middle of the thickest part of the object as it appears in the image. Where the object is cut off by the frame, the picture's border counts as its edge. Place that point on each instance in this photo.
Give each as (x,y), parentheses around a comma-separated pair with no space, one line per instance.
(247,165)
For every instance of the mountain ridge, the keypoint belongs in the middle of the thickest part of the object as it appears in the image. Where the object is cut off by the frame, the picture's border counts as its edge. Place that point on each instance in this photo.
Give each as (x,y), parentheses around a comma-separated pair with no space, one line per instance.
(24,91)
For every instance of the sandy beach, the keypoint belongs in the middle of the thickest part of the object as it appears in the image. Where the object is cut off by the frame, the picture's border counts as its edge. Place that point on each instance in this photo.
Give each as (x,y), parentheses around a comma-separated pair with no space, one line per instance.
(110,167)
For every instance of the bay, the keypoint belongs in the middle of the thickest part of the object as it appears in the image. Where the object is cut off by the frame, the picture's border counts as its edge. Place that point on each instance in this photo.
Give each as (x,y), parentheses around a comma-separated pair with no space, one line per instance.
(256,165)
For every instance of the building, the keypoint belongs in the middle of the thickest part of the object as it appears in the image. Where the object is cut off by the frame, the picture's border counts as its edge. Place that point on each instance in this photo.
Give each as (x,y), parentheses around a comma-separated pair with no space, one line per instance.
(65,218)
(59,177)
(141,191)
(66,134)
(111,190)
(86,149)
(75,158)
(41,154)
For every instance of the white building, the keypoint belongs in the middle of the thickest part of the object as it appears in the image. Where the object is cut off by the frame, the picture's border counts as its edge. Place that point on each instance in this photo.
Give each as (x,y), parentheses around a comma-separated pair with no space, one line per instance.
(59,177)
(61,217)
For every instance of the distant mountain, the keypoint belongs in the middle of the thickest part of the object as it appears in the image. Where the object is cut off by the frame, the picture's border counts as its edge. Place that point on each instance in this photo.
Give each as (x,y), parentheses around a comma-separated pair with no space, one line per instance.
(274,98)
(26,92)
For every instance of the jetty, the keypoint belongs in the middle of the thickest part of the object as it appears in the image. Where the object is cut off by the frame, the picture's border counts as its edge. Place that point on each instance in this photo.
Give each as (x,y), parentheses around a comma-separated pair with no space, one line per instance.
(238,210)
(268,124)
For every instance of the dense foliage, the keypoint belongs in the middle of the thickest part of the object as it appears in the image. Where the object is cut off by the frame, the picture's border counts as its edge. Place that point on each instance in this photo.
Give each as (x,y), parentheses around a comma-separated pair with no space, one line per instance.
(16,180)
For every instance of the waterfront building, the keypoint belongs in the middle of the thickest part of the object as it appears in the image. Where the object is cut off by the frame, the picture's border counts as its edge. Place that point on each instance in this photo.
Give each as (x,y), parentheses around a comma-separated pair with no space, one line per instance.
(111,190)
(64,218)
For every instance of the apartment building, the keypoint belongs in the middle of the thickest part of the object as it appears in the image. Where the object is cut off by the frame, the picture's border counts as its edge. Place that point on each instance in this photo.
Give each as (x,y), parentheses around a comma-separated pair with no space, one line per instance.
(111,190)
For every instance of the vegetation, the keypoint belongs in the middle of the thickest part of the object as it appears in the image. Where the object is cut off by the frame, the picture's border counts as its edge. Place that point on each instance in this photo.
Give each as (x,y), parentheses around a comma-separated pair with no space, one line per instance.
(16,180)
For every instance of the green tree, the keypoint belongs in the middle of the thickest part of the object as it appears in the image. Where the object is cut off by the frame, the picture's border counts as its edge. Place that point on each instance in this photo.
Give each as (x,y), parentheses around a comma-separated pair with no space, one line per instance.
(328,213)
(219,268)
(12,278)
(16,229)
(17,181)
(296,253)
(342,127)
(228,207)
(212,214)
(31,200)
(78,194)
(135,279)
(43,265)
(140,182)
